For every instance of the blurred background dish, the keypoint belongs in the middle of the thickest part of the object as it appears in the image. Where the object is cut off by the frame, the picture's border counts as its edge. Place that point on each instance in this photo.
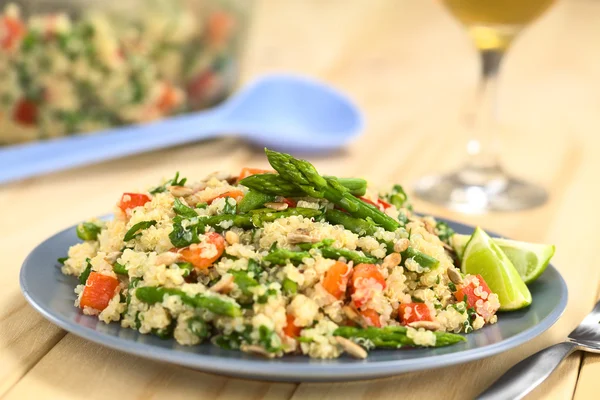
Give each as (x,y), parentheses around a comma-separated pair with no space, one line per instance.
(72,66)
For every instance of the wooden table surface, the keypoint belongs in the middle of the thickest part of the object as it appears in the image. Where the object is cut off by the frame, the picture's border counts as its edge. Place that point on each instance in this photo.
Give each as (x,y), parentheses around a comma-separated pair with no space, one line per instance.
(410,67)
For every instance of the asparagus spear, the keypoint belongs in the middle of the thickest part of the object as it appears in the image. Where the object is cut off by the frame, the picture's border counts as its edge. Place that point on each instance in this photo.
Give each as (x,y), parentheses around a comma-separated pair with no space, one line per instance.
(394,336)
(276,185)
(304,175)
(257,218)
(331,252)
(213,303)
(358,226)
(362,227)
(253,200)
(281,256)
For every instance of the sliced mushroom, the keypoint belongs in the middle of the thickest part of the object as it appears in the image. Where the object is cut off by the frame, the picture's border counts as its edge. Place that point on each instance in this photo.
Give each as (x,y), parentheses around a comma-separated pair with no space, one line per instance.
(401,245)
(429,325)
(224,285)
(111,257)
(354,316)
(276,206)
(300,237)
(454,276)
(180,191)
(351,348)
(167,258)
(250,348)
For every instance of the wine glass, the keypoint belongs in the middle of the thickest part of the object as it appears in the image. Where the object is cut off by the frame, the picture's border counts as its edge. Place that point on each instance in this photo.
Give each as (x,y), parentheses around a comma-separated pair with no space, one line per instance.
(481,184)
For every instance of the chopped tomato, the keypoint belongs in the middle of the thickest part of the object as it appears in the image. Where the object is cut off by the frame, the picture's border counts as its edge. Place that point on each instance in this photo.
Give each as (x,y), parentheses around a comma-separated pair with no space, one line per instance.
(25,112)
(246,172)
(365,281)
(202,256)
(132,200)
(371,317)
(473,293)
(235,194)
(336,279)
(168,99)
(219,27)
(413,312)
(291,203)
(290,329)
(98,291)
(11,31)
(381,204)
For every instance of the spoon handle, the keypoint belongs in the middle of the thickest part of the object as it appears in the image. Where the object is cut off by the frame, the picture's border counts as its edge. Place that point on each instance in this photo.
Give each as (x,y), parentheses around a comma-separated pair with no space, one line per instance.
(26,160)
(526,375)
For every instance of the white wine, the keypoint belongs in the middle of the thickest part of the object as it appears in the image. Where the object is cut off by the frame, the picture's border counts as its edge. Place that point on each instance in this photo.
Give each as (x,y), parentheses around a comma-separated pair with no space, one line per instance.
(493,24)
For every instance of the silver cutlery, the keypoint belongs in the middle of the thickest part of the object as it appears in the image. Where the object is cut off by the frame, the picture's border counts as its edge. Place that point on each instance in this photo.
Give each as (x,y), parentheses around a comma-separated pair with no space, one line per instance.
(525,376)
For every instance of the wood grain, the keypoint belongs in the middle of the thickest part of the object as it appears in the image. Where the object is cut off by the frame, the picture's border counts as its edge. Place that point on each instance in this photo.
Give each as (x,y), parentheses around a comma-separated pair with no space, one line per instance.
(410,67)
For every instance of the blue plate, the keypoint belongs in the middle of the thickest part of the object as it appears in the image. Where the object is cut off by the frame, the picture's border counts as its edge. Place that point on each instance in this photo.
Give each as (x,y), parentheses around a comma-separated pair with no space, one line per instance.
(51,293)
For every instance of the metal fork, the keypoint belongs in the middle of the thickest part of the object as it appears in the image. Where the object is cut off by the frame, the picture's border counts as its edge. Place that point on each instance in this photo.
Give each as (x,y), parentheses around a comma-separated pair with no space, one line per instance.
(525,376)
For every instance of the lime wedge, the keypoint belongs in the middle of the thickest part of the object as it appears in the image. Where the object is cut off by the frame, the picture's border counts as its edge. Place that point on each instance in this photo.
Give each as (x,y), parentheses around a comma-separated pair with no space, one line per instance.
(483,256)
(530,259)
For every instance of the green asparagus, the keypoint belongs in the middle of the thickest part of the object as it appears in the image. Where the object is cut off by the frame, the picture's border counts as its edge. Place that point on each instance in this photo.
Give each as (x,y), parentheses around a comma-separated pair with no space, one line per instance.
(257,218)
(282,256)
(356,225)
(215,304)
(424,260)
(276,185)
(253,200)
(394,336)
(349,255)
(304,175)
(134,230)
(88,231)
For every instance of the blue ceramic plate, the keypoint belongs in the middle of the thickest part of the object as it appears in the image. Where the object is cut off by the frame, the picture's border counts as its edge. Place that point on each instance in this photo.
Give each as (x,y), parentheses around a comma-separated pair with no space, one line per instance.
(51,293)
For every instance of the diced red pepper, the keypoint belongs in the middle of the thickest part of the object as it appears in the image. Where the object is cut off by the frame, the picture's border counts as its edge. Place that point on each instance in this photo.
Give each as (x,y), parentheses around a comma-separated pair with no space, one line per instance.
(168,99)
(290,329)
(365,281)
(219,27)
(291,203)
(201,87)
(371,317)
(336,278)
(381,204)
(235,194)
(25,112)
(132,200)
(413,312)
(468,290)
(11,31)
(246,172)
(201,257)
(98,291)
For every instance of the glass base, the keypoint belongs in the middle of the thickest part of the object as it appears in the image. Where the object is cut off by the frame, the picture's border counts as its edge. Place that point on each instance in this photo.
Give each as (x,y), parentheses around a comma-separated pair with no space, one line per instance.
(480,190)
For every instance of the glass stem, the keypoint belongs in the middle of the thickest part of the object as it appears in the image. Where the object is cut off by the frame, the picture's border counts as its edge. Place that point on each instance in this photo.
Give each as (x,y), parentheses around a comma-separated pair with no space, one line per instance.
(483,145)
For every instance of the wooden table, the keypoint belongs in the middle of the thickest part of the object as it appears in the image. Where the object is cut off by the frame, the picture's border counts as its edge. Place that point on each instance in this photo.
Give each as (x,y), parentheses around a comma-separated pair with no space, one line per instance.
(410,67)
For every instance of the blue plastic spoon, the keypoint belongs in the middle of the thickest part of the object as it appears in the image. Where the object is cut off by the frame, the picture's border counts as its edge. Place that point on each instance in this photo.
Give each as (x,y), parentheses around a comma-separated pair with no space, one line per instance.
(278,111)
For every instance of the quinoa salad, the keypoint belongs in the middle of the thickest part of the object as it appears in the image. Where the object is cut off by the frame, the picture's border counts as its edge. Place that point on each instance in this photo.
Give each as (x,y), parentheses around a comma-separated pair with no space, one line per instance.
(276,262)
(90,66)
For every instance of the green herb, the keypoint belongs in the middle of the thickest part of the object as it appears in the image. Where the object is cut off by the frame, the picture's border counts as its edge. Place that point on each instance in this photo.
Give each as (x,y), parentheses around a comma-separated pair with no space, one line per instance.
(452,286)
(86,272)
(398,197)
(416,299)
(230,207)
(184,234)
(88,231)
(289,286)
(202,205)
(199,327)
(262,299)
(181,209)
(444,232)
(175,181)
(119,269)
(187,267)
(62,260)
(134,230)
